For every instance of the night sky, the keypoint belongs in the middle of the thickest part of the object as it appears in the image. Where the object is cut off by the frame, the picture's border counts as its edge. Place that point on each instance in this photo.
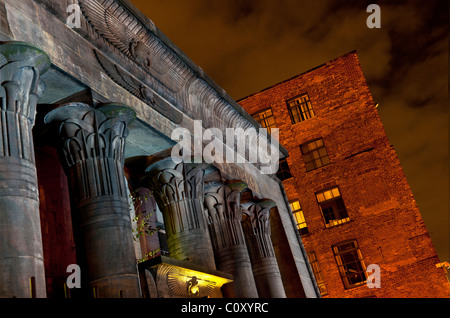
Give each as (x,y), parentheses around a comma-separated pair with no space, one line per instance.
(248,45)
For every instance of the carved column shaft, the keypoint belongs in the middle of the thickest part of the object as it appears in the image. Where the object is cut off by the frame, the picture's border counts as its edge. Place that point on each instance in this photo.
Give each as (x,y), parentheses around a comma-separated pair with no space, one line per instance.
(256,225)
(230,250)
(178,190)
(93,142)
(21,255)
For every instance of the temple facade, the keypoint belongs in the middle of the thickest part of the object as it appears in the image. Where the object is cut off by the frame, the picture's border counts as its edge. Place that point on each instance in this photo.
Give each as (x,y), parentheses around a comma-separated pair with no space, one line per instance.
(92,203)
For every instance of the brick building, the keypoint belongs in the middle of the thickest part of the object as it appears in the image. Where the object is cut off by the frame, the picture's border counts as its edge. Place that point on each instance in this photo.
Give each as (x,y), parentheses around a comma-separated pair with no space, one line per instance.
(347,189)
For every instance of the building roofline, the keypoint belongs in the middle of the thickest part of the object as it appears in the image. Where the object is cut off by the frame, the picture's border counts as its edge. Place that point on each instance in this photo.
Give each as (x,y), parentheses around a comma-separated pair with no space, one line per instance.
(298,75)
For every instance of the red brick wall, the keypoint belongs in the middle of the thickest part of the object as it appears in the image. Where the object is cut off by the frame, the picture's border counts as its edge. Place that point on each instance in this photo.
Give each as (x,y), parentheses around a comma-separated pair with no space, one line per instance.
(384,217)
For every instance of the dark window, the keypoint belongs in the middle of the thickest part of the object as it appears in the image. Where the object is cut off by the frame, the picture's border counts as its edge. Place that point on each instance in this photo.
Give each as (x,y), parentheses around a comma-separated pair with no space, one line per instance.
(283,170)
(299,217)
(332,207)
(317,274)
(314,154)
(265,118)
(300,109)
(350,263)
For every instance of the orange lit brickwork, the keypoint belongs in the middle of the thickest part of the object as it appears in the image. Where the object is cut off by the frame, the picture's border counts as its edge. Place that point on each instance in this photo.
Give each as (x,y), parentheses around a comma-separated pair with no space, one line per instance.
(376,211)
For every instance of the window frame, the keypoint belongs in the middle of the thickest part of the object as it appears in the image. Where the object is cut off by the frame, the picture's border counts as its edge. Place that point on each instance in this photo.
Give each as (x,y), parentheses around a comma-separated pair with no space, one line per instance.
(300,112)
(315,266)
(312,155)
(332,198)
(284,171)
(264,119)
(304,229)
(344,266)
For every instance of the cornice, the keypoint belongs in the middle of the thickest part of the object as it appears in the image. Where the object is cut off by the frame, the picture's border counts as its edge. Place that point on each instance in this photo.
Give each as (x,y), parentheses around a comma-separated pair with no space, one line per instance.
(134,54)
(157,65)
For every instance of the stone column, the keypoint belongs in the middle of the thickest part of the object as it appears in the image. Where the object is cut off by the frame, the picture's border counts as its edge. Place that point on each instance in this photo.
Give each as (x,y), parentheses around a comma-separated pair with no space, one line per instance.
(178,190)
(256,226)
(224,218)
(92,144)
(21,256)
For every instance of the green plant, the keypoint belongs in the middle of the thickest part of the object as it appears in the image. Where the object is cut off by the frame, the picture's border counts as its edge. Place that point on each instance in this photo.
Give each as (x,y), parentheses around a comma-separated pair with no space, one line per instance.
(142,222)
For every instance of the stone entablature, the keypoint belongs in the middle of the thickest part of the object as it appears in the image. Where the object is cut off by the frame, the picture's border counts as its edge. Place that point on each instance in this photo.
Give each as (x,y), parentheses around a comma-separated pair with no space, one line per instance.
(134,54)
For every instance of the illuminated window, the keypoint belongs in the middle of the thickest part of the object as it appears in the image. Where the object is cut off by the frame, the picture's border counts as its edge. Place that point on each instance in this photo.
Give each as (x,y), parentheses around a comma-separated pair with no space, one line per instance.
(332,207)
(283,170)
(314,154)
(350,263)
(317,274)
(265,118)
(300,109)
(299,217)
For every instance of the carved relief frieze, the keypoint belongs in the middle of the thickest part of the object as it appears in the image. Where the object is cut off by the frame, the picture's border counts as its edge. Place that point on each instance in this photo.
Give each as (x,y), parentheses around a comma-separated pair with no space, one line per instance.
(174,281)
(125,33)
(160,68)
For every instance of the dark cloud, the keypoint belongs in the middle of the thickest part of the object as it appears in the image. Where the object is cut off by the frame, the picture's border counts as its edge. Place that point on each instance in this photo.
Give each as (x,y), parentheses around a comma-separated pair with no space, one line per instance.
(247,45)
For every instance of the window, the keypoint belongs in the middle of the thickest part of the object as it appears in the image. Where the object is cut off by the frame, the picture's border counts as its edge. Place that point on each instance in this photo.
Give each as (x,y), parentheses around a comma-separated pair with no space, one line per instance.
(299,217)
(332,206)
(300,109)
(283,170)
(317,274)
(350,263)
(265,118)
(314,154)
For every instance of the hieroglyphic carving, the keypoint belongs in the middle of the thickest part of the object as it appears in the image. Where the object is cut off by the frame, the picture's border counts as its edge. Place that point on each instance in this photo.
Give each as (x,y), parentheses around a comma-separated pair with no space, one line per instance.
(135,87)
(123,79)
(175,281)
(164,71)
(140,59)
(191,286)
(125,33)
